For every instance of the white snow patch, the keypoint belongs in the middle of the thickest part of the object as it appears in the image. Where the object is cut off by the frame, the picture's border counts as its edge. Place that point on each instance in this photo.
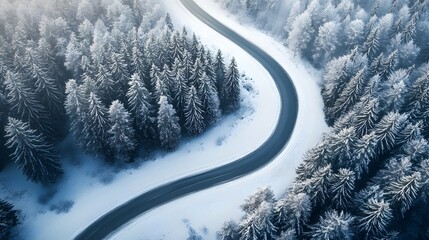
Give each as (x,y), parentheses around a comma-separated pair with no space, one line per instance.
(207,210)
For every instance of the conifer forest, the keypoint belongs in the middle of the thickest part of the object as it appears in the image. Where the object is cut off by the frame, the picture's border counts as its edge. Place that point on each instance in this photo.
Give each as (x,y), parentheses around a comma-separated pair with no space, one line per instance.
(126,84)
(367,178)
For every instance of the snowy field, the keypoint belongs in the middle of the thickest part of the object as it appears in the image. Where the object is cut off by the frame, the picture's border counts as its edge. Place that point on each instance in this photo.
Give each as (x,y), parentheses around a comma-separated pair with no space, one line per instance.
(206,211)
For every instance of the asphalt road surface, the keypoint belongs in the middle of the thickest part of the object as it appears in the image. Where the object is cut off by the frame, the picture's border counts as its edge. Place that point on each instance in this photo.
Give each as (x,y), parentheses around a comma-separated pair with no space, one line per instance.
(111,221)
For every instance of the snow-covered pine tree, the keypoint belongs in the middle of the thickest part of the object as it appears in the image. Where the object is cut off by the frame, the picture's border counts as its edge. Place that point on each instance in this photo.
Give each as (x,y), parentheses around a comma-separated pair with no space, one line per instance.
(292,212)
(388,130)
(342,188)
(367,117)
(375,218)
(264,215)
(197,73)
(403,192)
(372,43)
(36,158)
(341,147)
(333,226)
(230,92)
(194,113)
(75,110)
(249,228)
(168,125)
(121,137)
(105,83)
(73,56)
(179,93)
(326,42)
(187,65)
(318,185)
(364,152)
(253,202)
(175,48)
(120,72)
(219,68)
(301,33)
(229,231)
(96,126)
(46,86)
(350,94)
(209,99)
(23,102)
(139,101)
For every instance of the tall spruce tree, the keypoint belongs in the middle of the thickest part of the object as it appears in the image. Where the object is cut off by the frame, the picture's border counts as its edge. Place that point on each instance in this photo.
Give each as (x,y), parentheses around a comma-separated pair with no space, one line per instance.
(121,133)
(194,113)
(168,125)
(33,154)
(230,92)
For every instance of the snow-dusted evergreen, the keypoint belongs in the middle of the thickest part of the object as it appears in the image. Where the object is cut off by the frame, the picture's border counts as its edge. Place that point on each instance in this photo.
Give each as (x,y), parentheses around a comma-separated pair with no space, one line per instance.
(168,125)
(32,152)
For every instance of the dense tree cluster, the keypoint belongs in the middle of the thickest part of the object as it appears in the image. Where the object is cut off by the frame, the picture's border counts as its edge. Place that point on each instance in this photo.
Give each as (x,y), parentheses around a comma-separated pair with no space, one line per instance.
(120,75)
(368,177)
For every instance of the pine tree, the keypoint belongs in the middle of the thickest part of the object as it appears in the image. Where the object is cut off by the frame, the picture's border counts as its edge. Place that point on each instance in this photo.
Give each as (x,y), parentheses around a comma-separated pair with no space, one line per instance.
(209,99)
(293,212)
(45,85)
(219,68)
(301,33)
(121,133)
(342,188)
(31,152)
(367,117)
(365,152)
(248,228)
(376,217)
(395,90)
(317,186)
(105,83)
(75,110)
(197,73)
(333,225)
(139,101)
(229,231)
(403,192)
(264,213)
(388,129)
(230,92)
(24,102)
(326,41)
(253,202)
(371,45)
(96,126)
(168,125)
(194,113)
(8,219)
(350,94)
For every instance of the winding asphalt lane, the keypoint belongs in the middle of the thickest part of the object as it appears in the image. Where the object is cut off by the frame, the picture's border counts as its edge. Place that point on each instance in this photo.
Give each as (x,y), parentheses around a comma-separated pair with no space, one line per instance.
(111,221)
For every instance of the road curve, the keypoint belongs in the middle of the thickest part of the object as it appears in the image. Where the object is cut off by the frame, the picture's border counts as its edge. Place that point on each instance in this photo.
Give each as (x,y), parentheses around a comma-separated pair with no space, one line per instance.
(111,221)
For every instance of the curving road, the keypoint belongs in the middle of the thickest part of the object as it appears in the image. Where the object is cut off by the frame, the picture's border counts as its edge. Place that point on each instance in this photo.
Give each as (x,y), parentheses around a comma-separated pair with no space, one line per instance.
(117,217)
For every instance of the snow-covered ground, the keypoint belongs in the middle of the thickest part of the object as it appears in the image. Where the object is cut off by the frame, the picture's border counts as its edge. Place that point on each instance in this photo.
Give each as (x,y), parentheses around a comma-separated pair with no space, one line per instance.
(206,211)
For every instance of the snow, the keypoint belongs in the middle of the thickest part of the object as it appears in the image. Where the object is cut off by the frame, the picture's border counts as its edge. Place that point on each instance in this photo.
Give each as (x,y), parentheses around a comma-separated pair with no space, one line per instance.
(91,189)
(207,210)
